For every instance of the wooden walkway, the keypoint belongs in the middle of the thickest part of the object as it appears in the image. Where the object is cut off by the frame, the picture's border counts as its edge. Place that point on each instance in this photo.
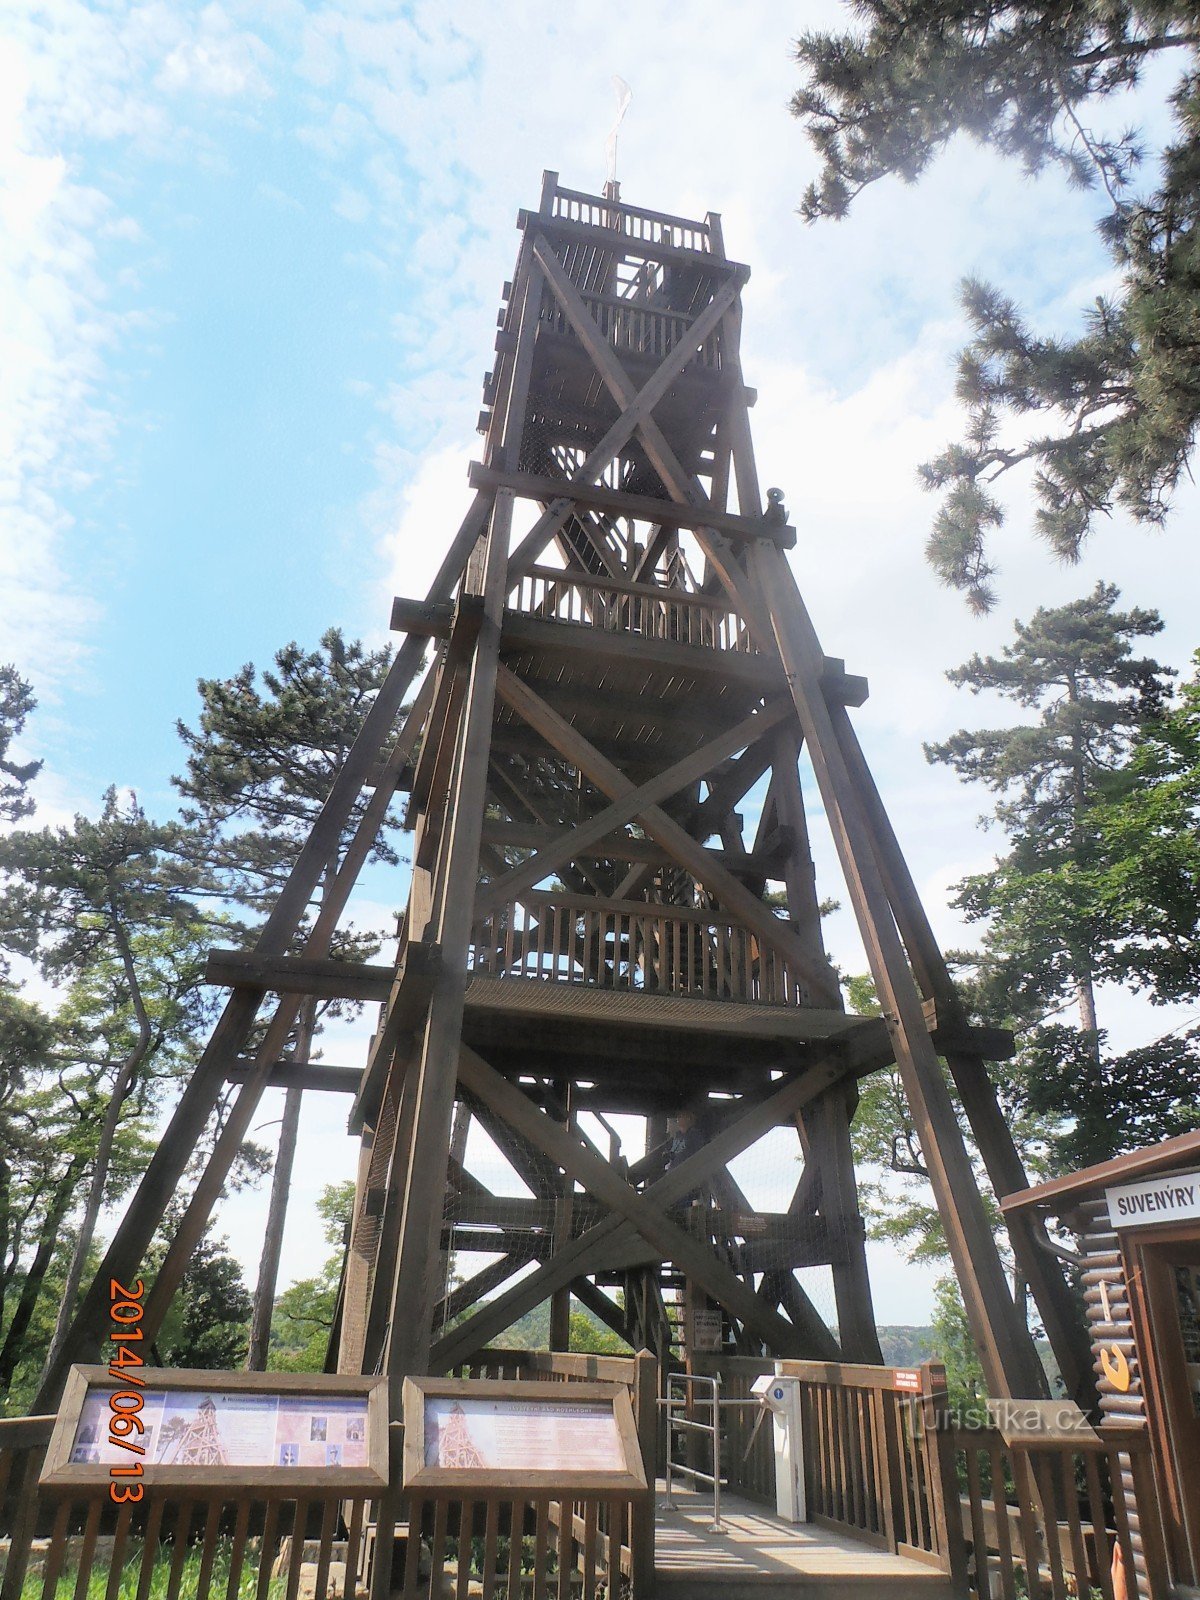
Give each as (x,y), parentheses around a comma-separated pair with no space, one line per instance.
(761,1551)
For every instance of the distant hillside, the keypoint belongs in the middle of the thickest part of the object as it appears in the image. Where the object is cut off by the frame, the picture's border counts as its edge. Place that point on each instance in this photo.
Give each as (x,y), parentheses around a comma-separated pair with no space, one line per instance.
(906,1347)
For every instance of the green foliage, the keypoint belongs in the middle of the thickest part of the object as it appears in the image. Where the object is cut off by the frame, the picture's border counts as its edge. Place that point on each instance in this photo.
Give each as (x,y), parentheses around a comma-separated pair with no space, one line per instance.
(954,1345)
(160,1582)
(588,1334)
(303,1319)
(207,1322)
(16,702)
(1074,665)
(72,893)
(1149,1094)
(108,907)
(1099,800)
(897,1205)
(1120,401)
(906,1346)
(1145,873)
(264,755)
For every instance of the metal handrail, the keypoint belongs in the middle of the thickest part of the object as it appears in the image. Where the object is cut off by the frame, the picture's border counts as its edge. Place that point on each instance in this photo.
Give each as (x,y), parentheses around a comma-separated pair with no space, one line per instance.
(670,1403)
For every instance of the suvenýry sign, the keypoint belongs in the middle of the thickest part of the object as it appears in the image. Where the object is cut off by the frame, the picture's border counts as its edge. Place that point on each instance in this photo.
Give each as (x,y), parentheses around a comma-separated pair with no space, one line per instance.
(1174,1197)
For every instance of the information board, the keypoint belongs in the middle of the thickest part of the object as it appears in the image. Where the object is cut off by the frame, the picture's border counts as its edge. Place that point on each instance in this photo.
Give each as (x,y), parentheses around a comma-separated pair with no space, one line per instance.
(303,1429)
(480,1433)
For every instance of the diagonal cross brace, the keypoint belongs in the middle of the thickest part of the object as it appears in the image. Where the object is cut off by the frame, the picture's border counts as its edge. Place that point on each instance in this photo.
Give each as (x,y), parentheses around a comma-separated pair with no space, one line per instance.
(684,486)
(637,404)
(733,895)
(628,801)
(646,1211)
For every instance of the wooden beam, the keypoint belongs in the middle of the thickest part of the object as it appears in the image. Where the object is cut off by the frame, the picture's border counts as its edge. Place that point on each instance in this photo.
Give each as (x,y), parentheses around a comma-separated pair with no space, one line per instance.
(522,635)
(765,863)
(323,978)
(422,618)
(576,1258)
(464,1295)
(840,687)
(645,508)
(639,403)
(568,232)
(685,487)
(1006,1349)
(420,1222)
(1060,1312)
(828,1123)
(291,1075)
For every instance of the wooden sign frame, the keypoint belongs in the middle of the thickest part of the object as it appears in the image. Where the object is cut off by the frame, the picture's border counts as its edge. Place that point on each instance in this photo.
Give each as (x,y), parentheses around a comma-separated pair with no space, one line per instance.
(60,1471)
(432,1482)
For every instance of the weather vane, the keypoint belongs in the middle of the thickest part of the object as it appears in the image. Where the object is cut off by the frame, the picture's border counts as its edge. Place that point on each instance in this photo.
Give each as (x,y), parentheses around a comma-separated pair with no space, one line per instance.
(624,95)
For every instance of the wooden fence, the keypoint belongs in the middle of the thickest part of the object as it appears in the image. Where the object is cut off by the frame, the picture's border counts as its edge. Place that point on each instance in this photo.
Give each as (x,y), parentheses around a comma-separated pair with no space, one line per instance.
(1055,1522)
(240,1543)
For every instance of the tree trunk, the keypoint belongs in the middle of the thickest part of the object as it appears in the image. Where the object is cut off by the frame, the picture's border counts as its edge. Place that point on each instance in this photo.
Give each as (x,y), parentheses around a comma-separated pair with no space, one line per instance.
(1081,960)
(108,1132)
(281,1183)
(14,1338)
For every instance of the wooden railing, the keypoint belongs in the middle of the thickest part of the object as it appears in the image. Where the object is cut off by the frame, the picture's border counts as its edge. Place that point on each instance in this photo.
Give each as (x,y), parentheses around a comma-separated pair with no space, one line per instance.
(199,1543)
(616,605)
(651,227)
(870,1468)
(1059,1521)
(633,945)
(611,1540)
(636,327)
(205,1544)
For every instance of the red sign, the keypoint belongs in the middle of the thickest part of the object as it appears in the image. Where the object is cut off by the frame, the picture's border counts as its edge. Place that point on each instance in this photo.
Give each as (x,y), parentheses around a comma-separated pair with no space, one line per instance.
(906,1380)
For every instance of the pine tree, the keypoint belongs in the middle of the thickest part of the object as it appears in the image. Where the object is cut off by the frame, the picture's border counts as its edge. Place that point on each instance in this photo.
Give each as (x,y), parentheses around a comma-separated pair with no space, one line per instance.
(1146,874)
(102,905)
(207,1325)
(260,763)
(16,702)
(1074,665)
(1115,409)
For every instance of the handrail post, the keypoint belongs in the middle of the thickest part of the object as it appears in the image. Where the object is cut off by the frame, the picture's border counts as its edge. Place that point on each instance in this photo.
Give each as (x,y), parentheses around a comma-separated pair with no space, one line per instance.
(717,1525)
(645,1412)
(937,1442)
(668,1405)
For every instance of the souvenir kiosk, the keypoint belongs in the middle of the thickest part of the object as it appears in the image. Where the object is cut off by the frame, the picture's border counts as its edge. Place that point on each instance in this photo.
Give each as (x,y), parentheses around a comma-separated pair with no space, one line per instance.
(1137,1223)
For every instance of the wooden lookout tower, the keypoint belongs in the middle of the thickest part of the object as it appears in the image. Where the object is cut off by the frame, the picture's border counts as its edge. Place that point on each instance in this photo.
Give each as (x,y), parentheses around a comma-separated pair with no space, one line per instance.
(618,655)
(589,927)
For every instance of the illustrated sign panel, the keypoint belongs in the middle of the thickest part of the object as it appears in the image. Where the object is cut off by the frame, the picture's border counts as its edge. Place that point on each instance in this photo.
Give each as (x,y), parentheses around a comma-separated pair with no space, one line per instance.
(483,1434)
(1174,1198)
(510,1434)
(212,1428)
(179,1427)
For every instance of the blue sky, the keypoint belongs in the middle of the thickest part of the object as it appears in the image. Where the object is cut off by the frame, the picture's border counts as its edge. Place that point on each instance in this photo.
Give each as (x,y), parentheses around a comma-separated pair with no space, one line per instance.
(249,265)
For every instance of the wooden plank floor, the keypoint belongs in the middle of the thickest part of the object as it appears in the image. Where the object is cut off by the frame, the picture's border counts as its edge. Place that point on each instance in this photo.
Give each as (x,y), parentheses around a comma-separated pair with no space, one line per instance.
(759,1550)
